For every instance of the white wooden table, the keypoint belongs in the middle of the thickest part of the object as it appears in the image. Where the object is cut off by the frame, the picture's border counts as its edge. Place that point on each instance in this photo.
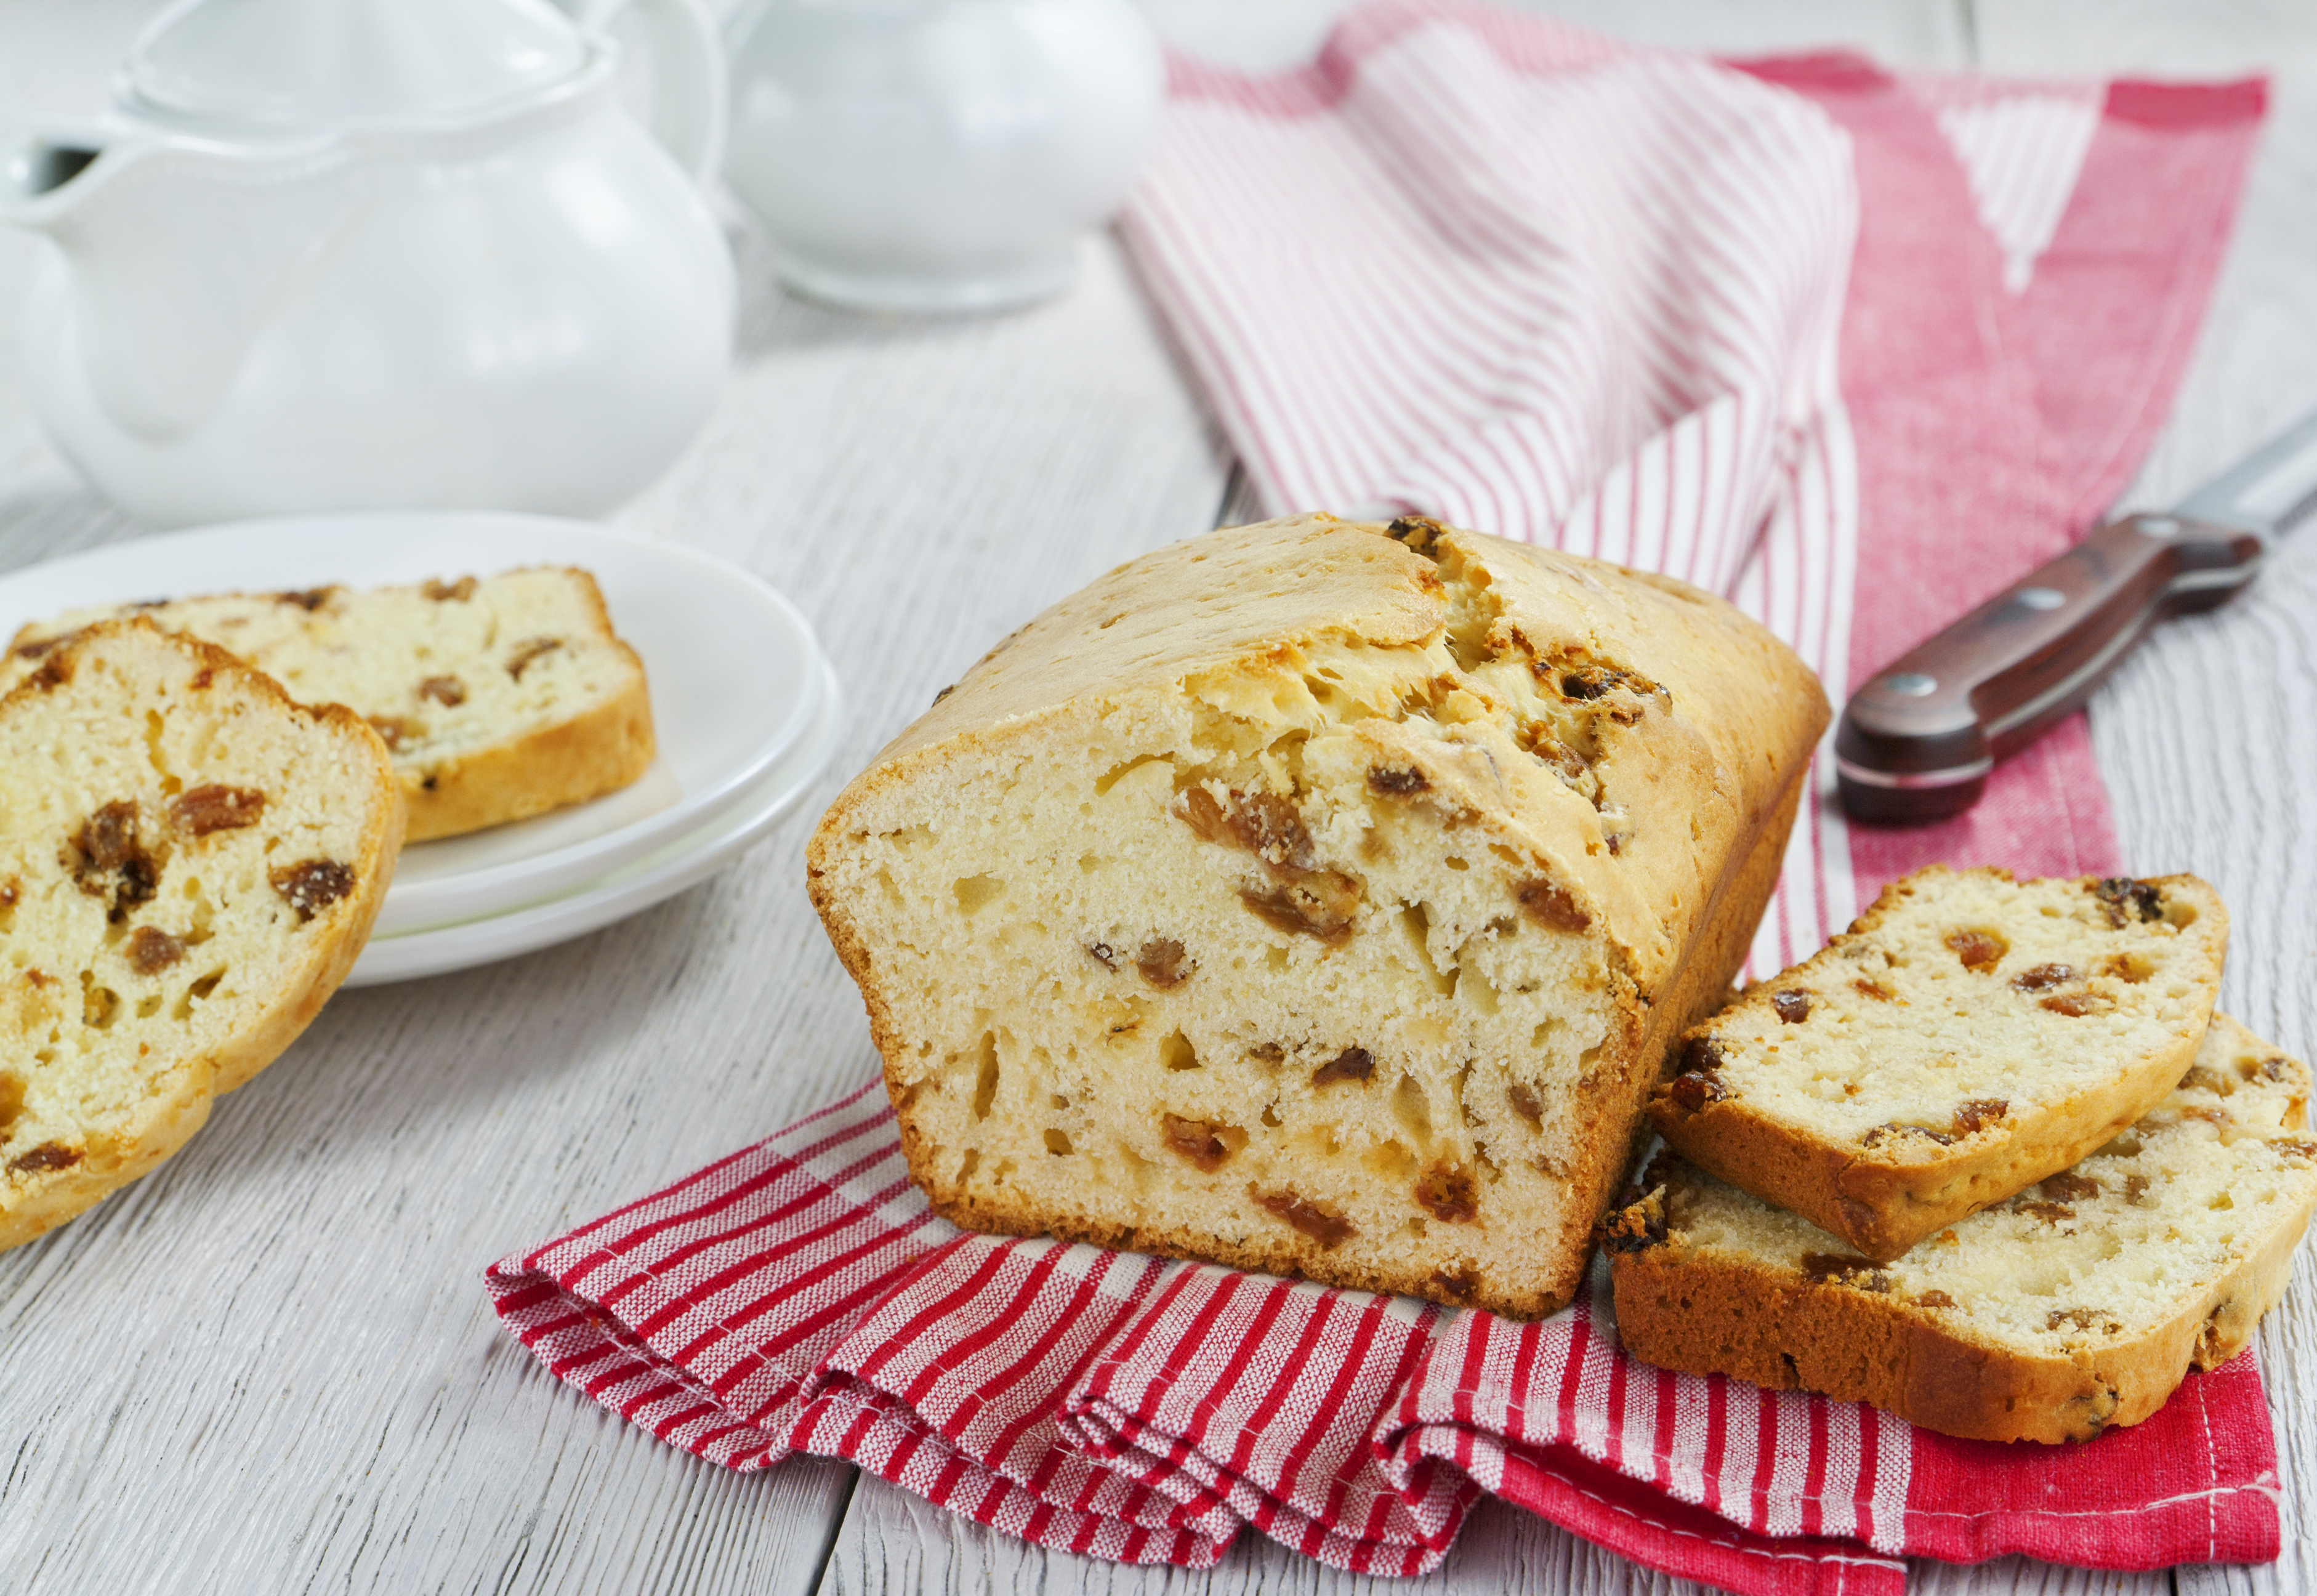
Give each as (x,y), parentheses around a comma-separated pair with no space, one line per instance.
(269,1366)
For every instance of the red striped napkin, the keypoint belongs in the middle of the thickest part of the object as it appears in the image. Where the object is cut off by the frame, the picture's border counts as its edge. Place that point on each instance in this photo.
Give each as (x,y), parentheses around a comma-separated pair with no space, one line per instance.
(1851,348)
(799,1297)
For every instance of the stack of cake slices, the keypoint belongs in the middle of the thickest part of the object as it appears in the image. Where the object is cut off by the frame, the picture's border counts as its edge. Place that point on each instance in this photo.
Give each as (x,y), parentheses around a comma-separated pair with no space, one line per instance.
(497,699)
(543,796)
(1990,1162)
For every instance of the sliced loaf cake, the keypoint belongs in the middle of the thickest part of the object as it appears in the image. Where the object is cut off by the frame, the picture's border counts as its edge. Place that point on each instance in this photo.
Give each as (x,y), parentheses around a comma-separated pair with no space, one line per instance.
(498,698)
(1318,898)
(189,864)
(1968,1035)
(2076,1305)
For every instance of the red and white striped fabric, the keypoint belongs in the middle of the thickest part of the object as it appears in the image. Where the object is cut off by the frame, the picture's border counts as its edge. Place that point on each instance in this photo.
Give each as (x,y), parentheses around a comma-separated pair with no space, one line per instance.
(799,1297)
(1853,349)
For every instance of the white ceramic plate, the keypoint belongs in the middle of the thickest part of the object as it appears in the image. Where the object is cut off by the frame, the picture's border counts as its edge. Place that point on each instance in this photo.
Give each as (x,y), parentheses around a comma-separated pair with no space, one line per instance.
(632,887)
(733,669)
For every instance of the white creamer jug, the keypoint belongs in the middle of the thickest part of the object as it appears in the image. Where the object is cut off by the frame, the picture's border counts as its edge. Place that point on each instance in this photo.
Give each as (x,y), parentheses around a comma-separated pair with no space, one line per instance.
(380,254)
(936,155)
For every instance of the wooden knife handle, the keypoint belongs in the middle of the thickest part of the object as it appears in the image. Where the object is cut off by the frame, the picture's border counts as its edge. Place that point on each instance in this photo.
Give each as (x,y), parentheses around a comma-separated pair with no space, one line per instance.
(1916,742)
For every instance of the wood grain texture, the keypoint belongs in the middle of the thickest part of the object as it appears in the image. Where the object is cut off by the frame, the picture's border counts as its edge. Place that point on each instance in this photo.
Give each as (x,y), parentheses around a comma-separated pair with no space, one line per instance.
(270,1365)
(894,1541)
(2256,368)
(2209,736)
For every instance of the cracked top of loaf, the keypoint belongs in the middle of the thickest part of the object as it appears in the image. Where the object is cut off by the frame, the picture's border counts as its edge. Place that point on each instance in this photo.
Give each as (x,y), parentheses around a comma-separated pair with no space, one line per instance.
(1317,898)
(1636,729)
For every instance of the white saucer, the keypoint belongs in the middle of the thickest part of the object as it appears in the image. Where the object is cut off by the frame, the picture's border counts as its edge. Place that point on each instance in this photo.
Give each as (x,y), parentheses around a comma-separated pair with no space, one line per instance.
(633,887)
(733,668)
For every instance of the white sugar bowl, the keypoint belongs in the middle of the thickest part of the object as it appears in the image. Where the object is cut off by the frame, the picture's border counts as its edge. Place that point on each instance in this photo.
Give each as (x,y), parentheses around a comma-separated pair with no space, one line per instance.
(334,254)
(936,155)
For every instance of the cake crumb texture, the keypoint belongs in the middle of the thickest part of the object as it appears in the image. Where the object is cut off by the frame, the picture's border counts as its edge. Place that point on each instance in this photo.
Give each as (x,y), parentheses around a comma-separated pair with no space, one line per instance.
(2080,1303)
(498,697)
(189,864)
(1318,898)
(1968,1035)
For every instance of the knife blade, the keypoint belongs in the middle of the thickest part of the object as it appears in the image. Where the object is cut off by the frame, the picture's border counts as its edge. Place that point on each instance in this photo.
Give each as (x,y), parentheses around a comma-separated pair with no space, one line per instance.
(1917,742)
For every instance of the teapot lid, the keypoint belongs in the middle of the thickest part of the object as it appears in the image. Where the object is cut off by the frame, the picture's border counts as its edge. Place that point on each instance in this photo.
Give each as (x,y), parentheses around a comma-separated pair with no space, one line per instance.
(302,66)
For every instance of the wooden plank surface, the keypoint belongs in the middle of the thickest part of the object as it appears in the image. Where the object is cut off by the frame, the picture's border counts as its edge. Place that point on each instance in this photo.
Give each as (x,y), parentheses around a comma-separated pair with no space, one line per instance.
(278,1347)
(273,1359)
(894,1541)
(2254,368)
(2209,736)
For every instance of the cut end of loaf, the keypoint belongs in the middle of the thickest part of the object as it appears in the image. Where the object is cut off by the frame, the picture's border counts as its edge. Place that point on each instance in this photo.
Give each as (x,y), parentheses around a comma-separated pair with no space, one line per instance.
(1303,958)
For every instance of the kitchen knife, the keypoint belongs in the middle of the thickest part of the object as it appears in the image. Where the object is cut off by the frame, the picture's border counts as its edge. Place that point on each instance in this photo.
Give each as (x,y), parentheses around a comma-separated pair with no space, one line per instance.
(1917,742)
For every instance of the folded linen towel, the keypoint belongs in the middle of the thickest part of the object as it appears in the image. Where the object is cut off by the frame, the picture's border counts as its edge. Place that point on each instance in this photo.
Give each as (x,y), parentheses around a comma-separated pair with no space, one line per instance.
(1851,348)
(798,1296)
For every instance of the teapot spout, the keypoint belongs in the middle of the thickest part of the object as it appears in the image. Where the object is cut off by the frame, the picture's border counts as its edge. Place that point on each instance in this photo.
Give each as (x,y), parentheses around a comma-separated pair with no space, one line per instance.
(40,174)
(172,275)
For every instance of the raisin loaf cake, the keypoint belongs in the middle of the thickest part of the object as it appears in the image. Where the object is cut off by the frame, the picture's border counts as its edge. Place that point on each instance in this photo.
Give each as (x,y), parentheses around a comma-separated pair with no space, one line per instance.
(1968,1035)
(189,864)
(2073,1306)
(498,698)
(1318,898)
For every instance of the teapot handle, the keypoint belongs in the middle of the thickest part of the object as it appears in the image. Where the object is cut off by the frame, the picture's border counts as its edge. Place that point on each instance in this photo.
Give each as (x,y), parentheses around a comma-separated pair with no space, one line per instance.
(687,69)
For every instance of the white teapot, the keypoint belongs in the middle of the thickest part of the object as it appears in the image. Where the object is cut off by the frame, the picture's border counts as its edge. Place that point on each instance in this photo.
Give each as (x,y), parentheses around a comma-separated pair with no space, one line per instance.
(936,155)
(380,254)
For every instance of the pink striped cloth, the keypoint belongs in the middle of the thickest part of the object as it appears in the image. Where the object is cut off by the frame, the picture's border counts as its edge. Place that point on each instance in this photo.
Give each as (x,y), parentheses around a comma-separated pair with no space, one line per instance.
(1851,348)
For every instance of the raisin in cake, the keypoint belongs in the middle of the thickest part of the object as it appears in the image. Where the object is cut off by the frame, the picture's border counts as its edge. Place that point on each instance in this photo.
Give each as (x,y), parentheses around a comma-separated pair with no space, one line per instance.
(498,698)
(1318,899)
(2077,1305)
(1968,1035)
(189,863)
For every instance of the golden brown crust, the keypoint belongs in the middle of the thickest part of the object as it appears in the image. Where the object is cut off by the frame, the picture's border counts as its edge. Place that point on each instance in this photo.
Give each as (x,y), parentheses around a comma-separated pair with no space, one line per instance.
(106,1165)
(1680,911)
(599,752)
(1747,712)
(1884,1200)
(1701,1314)
(1705,1315)
(1697,990)
(1146,618)
(1707,1281)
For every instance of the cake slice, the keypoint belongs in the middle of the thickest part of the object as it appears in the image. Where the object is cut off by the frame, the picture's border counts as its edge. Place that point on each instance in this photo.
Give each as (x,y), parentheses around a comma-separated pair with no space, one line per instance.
(189,864)
(498,698)
(1968,1035)
(2072,1307)
(1317,898)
